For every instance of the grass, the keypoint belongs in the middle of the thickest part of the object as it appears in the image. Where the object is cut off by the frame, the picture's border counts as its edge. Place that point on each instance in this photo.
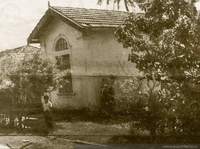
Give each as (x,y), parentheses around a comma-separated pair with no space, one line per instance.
(89,131)
(96,130)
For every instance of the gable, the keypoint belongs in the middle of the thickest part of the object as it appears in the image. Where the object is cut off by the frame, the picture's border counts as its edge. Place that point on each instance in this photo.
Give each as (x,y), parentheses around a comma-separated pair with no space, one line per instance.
(79,18)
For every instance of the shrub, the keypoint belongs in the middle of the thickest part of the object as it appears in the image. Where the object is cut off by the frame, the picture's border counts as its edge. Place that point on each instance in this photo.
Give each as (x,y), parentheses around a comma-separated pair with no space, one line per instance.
(107,102)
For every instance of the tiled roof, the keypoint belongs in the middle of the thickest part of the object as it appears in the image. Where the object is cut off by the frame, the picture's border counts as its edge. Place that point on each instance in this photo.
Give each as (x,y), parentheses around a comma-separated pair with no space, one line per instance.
(93,17)
(79,18)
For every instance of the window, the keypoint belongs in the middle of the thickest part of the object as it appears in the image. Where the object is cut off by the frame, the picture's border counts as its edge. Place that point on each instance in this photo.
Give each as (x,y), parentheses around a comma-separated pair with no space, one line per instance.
(61,45)
(63,63)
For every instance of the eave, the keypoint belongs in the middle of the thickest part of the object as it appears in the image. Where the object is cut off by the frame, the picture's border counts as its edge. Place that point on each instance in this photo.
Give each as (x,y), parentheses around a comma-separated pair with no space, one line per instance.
(41,28)
(46,20)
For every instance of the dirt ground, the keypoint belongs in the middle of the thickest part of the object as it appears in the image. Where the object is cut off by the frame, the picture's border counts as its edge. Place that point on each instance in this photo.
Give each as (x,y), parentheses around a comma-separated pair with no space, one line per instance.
(35,142)
(67,135)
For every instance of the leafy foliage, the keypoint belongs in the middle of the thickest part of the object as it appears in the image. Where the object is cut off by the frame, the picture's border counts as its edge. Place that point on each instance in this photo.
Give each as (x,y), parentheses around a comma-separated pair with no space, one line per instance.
(25,77)
(164,44)
(31,74)
(127,3)
(107,102)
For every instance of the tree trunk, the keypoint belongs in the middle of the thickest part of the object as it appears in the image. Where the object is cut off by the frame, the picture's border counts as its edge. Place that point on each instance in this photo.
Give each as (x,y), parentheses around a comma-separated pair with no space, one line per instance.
(20,123)
(153,133)
(126,5)
(152,116)
(11,117)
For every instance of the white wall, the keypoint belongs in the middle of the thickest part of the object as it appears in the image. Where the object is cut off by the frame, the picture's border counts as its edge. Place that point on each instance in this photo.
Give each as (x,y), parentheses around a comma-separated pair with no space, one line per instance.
(94,55)
(103,54)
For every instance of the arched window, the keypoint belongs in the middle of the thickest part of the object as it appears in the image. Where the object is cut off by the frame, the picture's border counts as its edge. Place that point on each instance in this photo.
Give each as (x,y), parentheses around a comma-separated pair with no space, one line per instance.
(61,44)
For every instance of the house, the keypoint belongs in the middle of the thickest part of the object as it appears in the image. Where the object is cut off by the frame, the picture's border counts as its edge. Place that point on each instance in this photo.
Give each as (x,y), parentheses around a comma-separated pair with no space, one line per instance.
(83,40)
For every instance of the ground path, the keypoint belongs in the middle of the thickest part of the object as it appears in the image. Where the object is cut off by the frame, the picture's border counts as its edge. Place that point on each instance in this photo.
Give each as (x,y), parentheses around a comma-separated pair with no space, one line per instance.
(34,142)
(67,135)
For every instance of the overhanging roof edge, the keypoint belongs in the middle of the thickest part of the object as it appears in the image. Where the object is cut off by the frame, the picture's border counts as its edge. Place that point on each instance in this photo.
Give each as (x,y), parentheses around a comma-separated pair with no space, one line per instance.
(50,12)
(37,27)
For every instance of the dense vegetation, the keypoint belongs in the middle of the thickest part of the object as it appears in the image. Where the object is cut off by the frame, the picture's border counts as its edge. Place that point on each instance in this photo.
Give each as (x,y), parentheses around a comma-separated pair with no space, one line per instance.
(24,78)
(165,47)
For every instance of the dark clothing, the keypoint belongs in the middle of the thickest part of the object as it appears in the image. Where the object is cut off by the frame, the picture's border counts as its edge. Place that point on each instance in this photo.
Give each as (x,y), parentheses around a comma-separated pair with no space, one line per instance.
(47,107)
(48,119)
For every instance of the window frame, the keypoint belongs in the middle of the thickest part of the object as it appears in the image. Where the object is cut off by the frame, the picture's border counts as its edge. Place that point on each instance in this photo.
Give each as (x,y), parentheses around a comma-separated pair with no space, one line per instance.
(61,44)
(59,55)
(65,58)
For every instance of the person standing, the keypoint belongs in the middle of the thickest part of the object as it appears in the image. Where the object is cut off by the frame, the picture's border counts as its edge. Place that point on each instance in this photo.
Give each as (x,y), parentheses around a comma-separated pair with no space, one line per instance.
(47,108)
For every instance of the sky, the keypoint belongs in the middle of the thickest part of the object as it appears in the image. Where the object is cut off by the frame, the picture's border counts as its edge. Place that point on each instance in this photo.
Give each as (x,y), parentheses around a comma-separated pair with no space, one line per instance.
(19,17)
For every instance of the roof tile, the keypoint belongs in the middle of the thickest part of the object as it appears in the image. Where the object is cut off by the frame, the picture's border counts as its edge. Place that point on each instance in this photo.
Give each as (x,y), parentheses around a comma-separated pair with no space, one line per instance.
(93,17)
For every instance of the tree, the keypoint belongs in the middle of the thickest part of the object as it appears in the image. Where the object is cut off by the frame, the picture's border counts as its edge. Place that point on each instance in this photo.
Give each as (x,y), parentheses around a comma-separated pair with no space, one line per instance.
(165,47)
(25,77)
(127,3)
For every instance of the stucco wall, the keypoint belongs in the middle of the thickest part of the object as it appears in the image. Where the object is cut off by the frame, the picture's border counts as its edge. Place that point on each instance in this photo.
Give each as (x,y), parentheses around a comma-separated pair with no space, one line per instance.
(94,55)
(54,31)
(104,54)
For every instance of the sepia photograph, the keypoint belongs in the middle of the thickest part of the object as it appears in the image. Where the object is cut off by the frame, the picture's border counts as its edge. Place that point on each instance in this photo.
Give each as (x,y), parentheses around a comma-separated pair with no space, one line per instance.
(99,74)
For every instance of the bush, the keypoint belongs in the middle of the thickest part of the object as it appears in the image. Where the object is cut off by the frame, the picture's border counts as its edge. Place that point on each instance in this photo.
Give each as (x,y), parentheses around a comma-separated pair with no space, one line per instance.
(167,111)
(107,100)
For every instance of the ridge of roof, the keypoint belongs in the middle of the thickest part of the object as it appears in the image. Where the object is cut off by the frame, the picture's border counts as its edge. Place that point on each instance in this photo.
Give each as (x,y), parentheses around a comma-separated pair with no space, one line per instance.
(92,9)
